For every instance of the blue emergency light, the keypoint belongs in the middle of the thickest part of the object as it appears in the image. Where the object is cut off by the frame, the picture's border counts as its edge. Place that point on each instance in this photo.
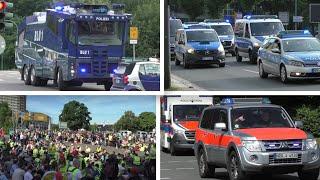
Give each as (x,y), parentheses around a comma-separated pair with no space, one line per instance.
(226,101)
(59,8)
(83,70)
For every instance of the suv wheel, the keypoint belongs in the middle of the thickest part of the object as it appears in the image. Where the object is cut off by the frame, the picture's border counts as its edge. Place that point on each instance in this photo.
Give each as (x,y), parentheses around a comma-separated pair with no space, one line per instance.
(205,170)
(177,62)
(222,64)
(173,151)
(283,74)
(234,167)
(309,175)
(238,57)
(108,85)
(186,65)
(262,73)
(26,76)
(35,81)
(60,81)
(253,60)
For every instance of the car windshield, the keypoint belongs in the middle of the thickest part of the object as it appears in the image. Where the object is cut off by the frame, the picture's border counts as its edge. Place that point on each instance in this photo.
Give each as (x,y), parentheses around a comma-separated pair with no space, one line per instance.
(197,26)
(174,26)
(187,112)
(100,33)
(265,28)
(202,36)
(152,69)
(223,30)
(301,45)
(259,117)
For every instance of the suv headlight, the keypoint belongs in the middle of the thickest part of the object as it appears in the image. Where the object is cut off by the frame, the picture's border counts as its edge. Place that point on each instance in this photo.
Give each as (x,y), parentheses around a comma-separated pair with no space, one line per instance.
(311,144)
(178,131)
(252,146)
(191,51)
(295,63)
(256,45)
(221,50)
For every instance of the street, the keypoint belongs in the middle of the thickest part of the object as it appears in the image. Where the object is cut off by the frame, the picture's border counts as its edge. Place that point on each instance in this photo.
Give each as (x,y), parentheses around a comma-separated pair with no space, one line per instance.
(185,167)
(237,76)
(10,81)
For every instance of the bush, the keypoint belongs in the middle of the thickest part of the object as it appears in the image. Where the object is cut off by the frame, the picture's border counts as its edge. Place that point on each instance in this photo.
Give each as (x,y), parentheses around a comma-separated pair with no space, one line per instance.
(311,119)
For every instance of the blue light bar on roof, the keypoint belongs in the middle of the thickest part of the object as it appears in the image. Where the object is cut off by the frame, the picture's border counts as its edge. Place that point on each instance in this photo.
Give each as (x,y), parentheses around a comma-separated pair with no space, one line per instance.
(226,101)
(260,17)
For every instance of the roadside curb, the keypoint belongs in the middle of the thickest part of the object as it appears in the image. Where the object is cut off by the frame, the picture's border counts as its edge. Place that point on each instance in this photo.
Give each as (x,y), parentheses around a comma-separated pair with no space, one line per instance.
(184,85)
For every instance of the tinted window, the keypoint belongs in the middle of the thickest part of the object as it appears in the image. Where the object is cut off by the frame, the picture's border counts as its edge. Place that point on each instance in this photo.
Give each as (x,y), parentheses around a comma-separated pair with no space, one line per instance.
(202,36)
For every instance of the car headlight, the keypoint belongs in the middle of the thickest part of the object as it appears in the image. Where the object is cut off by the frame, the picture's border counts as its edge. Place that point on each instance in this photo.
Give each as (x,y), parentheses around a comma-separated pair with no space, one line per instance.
(295,63)
(252,146)
(311,144)
(191,51)
(257,45)
(178,131)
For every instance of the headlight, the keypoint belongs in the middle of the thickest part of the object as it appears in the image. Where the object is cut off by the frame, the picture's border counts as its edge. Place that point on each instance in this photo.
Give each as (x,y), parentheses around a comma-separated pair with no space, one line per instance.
(191,51)
(178,131)
(311,144)
(257,45)
(252,146)
(295,63)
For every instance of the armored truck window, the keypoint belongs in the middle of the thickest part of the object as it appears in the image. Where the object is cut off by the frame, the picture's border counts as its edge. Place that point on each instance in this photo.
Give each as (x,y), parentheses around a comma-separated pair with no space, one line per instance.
(52,23)
(69,32)
(21,40)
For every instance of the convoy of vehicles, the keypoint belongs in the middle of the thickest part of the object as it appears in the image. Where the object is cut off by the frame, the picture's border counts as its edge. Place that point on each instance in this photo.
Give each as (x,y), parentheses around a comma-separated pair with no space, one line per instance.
(253,138)
(137,76)
(250,33)
(225,33)
(89,42)
(290,55)
(179,119)
(198,46)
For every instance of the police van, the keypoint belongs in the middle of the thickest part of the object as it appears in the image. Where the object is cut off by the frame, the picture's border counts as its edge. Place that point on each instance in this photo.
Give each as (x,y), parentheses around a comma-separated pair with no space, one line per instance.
(72,44)
(225,33)
(250,33)
(179,119)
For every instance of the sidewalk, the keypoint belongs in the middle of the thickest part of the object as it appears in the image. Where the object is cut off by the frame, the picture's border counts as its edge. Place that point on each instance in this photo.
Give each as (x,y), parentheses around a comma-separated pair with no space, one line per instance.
(180,84)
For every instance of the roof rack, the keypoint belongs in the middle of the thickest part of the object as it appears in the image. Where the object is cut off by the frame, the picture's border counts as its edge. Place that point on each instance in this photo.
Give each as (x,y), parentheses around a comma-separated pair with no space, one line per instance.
(260,17)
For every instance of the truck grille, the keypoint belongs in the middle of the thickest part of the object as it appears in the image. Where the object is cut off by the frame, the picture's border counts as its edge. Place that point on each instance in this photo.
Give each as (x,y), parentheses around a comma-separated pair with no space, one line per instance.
(190,134)
(288,145)
(99,68)
(272,160)
(207,52)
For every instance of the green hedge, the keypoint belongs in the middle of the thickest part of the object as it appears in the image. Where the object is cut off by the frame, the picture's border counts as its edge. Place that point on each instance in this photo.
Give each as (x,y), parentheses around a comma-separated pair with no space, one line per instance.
(311,119)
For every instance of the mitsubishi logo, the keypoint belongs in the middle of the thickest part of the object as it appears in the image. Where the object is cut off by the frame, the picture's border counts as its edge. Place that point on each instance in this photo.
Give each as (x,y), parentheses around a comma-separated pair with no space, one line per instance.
(284,145)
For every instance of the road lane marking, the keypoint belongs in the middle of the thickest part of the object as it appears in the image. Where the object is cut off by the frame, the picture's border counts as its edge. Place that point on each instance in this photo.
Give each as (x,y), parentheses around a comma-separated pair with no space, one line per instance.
(251,71)
(184,168)
(165,169)
(174,161)
(165,178)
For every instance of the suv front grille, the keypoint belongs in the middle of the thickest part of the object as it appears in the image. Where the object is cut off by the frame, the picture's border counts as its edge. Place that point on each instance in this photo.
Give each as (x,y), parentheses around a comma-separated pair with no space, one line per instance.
(226,43)
(287,145)
(190,134)
(272,160)
(207,52)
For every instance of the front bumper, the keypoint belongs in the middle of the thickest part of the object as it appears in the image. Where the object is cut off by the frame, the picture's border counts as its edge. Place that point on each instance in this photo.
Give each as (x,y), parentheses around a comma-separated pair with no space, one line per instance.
(229,48)
(180,143)
(266,162)
(295,72)
(198,59)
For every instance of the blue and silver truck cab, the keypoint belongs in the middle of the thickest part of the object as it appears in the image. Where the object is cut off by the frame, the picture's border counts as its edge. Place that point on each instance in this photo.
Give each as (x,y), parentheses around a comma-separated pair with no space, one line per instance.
(72,44)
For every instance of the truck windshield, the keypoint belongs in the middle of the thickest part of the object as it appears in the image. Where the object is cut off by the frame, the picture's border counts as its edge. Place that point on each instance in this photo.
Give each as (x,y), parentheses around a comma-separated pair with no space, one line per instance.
(223,30)
(266,28)
(202,36)
(301,45)
(100,33)
(188,112)
(259,117)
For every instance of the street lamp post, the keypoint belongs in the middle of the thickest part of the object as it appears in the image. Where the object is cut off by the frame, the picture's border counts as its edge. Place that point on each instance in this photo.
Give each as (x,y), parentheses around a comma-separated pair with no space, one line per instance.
(295,13)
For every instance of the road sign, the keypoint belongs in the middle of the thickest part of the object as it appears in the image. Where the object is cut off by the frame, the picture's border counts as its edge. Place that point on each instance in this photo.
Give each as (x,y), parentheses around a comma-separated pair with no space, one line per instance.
(314,10)
(134,33)
(284,17)
(133,41)
(297,19)
(2,44)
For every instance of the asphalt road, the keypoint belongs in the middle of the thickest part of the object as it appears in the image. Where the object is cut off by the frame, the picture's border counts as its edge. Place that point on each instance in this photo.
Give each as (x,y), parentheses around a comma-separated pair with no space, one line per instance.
(184,167)
(237,77)
(10,81)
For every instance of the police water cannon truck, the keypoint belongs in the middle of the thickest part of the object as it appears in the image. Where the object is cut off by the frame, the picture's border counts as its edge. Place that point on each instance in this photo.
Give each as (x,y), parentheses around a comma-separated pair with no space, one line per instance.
(72,45)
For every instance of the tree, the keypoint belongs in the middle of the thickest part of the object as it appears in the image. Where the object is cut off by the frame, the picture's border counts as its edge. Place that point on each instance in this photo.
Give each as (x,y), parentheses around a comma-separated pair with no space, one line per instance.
(76,114)
(146,121)
(126,121)
(5,116)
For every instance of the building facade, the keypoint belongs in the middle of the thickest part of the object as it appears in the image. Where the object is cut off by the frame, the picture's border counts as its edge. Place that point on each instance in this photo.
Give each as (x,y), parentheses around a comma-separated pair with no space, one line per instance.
(16,103)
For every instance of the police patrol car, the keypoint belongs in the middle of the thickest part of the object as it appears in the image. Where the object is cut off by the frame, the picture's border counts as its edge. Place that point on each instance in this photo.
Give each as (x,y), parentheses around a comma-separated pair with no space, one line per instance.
(250,33)
(72,44)
(137,76)
(290,55)
(225,33)
(252,136)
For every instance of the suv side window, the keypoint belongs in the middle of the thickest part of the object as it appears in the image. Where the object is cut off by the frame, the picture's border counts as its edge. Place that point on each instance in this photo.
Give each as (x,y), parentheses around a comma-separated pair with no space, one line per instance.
(224,116)
(142,69)
(215,118)
(239,29)
(247,33)
(206,119)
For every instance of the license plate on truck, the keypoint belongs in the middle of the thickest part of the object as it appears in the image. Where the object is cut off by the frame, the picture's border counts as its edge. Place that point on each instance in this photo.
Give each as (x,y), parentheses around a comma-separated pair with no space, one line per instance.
(286,156)
(207,58)
(316,70)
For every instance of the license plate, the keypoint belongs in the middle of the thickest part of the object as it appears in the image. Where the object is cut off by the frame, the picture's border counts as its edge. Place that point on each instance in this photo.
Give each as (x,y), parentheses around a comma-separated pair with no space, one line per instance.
(286,156)
(207,58)
(316,70)
(118,81)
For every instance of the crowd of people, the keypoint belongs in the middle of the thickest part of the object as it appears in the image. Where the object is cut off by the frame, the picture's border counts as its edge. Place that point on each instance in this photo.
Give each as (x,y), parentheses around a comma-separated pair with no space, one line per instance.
(75,155)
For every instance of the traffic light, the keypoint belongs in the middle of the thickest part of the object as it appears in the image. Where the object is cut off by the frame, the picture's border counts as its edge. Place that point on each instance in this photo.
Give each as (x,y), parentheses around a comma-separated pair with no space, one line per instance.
(3,6)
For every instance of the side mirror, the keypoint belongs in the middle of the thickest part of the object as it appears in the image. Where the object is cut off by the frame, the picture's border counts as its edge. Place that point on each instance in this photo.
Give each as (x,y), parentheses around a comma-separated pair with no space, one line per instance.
(220,126)
(298,124)
(275,50)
